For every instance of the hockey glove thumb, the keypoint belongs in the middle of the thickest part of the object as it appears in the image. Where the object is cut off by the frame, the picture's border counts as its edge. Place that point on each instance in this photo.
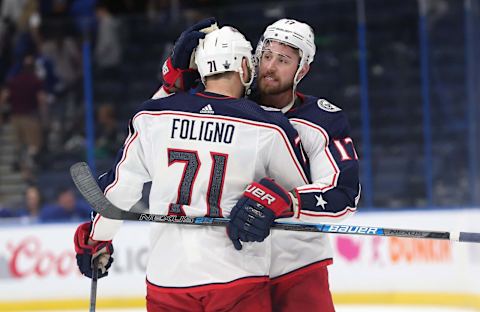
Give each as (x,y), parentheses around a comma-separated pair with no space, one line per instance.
(179,70)
(188,41)
(253,215)
(85,252)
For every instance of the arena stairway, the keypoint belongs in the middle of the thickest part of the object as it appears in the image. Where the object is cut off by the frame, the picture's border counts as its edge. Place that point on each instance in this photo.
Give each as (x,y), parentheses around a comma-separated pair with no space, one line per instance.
(12,184)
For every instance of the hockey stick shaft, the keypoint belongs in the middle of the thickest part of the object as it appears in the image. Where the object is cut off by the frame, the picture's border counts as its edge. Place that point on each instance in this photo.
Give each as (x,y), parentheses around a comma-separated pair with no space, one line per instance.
(88,187)
(93,286)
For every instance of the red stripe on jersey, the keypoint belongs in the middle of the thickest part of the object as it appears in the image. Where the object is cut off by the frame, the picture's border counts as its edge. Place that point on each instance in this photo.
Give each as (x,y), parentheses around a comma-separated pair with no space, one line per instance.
(109,187)
(332,215)
(302,270)
(95,221)
(207,287)
(232,119)
(219,97)
(124,156)
(306,189)
(300,95)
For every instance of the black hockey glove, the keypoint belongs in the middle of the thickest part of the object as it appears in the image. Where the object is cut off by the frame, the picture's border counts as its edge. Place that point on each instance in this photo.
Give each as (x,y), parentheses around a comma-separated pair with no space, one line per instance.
(177,71)
(102,249)
(254,213)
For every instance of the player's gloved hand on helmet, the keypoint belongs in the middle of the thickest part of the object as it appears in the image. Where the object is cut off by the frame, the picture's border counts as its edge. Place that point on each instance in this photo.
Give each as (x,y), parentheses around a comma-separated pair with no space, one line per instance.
(178,70)
(253,215)
(87,251)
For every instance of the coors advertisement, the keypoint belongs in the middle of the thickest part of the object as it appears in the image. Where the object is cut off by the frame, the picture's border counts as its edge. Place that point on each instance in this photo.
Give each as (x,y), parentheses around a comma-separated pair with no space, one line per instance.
(42,258)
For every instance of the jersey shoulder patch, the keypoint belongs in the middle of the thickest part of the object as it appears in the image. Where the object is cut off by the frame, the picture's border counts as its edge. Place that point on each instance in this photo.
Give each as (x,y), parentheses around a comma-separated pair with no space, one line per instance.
(327,106)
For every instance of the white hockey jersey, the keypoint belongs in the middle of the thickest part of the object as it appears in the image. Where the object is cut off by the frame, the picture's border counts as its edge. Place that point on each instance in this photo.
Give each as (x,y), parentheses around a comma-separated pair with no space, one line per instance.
(200,152)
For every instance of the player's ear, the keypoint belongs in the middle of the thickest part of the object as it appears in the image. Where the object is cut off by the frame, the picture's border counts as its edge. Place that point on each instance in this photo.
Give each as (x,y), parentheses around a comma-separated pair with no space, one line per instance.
(246,70)
(303,72)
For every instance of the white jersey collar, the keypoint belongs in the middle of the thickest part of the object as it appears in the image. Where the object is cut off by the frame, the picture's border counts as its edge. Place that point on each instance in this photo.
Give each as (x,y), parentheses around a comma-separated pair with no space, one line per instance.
(287,108)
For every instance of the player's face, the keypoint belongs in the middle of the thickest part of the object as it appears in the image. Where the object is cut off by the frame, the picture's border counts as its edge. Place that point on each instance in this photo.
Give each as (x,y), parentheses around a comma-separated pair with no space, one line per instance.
(277,68)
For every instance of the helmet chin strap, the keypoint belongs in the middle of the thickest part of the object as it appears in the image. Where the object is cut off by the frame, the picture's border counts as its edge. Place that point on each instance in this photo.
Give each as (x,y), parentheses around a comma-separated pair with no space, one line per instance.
(246,84)
(289,105)
(296,80)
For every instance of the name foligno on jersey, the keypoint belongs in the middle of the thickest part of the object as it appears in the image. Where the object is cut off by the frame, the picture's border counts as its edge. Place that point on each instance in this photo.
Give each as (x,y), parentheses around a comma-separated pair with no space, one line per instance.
(201,130)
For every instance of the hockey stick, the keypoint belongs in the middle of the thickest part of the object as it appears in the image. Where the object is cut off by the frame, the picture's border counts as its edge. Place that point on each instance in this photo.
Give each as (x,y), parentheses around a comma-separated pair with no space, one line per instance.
(88,187)
(93,286)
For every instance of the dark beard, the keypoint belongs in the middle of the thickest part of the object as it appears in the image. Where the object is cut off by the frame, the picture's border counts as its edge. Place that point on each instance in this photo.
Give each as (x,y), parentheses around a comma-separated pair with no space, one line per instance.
(274,90)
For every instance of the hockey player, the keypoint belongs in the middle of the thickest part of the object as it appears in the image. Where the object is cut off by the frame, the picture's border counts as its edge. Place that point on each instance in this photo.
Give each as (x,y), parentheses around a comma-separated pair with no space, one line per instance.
(299,275)
(201,152)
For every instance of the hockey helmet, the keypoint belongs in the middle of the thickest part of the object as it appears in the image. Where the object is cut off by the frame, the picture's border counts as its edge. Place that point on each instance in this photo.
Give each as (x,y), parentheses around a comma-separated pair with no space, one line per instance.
(223,50)
(293,33)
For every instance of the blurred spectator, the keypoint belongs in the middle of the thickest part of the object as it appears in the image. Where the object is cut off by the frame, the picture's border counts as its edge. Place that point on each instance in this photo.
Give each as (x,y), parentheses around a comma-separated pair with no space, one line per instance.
(109,135)
(6,212)
(108,48)
(63,51)
(25,19)
(25,45)
(30,20)
(29,209)
(44,69)
(12,9)
(436,10)
(66,208)
(25,94)
(32,204)
(23,13)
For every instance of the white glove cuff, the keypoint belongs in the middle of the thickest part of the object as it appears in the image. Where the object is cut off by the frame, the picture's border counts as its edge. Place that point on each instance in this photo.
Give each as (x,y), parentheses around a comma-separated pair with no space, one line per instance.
(295,208)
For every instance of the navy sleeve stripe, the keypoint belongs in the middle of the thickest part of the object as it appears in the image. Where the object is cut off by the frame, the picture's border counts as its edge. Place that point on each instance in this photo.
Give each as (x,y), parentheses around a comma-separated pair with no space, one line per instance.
(109,179)
(124,156)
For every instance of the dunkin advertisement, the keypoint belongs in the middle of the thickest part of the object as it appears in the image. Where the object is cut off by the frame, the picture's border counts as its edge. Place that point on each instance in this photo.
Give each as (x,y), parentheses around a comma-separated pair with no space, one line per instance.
(406,265)
(37,262)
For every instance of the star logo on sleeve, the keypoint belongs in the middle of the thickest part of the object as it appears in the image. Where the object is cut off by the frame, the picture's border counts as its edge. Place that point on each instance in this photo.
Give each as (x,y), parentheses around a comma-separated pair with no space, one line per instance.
(320,201)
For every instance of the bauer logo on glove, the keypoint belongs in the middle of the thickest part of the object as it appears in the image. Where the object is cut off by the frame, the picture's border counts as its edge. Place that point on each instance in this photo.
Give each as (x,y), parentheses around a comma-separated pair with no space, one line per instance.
(260,194)
(254,213)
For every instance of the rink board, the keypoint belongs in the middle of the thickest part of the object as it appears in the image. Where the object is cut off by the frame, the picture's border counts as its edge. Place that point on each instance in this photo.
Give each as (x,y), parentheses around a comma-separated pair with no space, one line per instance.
(38,269)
